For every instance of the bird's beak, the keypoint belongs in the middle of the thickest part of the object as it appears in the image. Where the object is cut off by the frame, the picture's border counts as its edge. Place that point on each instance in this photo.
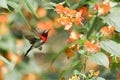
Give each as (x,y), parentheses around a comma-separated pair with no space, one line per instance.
(48,30)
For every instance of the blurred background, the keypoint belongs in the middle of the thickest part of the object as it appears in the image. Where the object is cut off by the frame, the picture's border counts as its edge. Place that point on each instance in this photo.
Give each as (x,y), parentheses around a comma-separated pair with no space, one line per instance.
(13,45)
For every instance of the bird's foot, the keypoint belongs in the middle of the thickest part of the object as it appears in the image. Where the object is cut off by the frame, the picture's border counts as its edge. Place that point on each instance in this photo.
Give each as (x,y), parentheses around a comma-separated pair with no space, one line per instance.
(40,47)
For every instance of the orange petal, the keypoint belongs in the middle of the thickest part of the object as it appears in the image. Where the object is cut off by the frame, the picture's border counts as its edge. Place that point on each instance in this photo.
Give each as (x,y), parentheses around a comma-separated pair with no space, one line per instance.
(69,53)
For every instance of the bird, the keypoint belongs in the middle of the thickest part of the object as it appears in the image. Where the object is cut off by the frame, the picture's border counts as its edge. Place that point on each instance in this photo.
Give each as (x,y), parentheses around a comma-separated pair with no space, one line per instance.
(35,37)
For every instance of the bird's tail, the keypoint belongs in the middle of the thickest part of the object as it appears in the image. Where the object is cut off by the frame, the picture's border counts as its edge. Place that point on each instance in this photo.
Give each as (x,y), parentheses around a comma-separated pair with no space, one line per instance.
(28,50)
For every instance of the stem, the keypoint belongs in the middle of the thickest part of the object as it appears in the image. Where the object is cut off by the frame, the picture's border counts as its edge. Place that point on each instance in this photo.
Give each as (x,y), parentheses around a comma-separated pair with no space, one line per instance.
(67,2)
(24,19)
(29,5)
(84,60)
(92,25)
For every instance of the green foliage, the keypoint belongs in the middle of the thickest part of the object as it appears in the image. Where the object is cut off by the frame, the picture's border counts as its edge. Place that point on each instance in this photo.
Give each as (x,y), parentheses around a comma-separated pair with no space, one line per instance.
(112,47)
(3,4)
(25,11)
(10,41)
(98,78)
(101,59)
(31,7)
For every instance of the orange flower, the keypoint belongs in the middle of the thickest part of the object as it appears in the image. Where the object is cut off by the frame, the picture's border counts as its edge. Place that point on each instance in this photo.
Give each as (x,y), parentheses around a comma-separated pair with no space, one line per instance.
(78,18)
(63,78)
(103,8)
(74,77)
(1,76)
(30,76)
(69,12)
(3,26)
(4,70)
(70,52)
(3,18)
(14,58)
(2,63)
(56,22)
(46,25)
(66,21)
(74,36)
(59,9)
(42,12)
(107,30)
(69,16)
(83,10)
(94,73)
(20,42)
(92,47)
(118,76)
(78,21)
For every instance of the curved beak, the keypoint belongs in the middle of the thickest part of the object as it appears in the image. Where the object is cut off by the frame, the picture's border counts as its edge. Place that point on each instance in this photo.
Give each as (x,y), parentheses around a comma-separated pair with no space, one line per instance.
(49,30)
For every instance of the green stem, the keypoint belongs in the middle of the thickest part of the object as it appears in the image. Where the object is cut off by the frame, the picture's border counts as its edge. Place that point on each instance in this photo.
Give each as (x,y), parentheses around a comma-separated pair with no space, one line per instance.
(92,25)
(30,6)
(24,19)
(67,2)
(79,4)
(83,61)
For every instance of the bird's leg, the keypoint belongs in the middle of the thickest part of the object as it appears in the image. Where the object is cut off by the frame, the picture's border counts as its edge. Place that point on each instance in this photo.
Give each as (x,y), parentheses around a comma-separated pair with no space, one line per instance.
(40,47)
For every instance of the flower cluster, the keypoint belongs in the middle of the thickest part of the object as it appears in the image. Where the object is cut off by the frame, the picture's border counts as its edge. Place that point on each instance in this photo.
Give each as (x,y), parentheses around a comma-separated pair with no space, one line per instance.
(103,8)
(3,26)
(74,77)
(93,73)
(70,52)
(107,30)
(92,47)
(41,12)
(68,16)
(74,35)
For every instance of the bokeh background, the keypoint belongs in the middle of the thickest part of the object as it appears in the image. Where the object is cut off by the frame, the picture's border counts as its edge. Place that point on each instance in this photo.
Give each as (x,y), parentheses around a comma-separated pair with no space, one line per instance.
(13,45)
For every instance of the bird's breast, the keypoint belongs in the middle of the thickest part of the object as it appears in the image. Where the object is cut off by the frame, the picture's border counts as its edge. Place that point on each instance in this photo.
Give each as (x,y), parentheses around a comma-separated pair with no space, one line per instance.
(38,43)
(43,38)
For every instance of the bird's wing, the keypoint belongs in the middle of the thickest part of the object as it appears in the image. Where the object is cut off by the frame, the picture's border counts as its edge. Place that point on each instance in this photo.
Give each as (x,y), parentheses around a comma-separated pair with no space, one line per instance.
(29,34)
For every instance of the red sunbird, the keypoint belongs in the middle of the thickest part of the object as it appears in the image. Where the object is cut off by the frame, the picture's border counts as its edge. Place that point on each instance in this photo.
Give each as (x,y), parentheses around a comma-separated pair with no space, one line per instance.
(35,37)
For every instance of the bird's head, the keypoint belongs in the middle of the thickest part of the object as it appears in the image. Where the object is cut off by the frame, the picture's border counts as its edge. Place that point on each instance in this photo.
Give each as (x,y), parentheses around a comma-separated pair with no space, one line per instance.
(45,33)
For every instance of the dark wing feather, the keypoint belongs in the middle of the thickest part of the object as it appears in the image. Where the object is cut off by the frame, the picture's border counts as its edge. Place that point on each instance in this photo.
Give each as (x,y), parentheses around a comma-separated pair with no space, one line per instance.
(29,34)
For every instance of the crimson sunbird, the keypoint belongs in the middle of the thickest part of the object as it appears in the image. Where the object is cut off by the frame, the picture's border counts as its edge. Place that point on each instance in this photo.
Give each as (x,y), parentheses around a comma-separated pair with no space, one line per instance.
(35,37)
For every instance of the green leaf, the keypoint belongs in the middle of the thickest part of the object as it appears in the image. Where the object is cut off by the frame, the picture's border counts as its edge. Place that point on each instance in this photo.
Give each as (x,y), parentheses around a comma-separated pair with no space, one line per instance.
(98,78)
(18,9)
(33,67)
(53,4)
(3,4)
(47,5)
(67,2)
(80,74)
(30,5)
(79,4)
(115,10)
(10,41)
(113,18)
(92,25)
(75,63)
(10,65)
(100,59)
(4,59)
(111,47)
(14,5)
(66,47)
